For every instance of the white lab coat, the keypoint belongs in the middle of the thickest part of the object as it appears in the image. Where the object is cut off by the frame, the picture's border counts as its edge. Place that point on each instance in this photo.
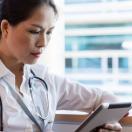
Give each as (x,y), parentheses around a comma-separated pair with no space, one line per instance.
(63,95)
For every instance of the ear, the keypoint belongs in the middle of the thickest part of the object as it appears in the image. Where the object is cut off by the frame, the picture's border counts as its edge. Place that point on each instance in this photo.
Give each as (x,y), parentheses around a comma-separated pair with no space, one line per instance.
(4,28)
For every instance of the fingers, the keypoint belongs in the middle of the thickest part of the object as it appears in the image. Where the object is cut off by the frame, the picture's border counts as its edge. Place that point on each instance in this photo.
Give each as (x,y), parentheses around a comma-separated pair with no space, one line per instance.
(113,126)
(106,130)
(109,127)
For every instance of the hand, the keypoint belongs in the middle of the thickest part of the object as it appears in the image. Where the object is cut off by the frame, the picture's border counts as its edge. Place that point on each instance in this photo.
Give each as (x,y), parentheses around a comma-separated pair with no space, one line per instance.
(109,127)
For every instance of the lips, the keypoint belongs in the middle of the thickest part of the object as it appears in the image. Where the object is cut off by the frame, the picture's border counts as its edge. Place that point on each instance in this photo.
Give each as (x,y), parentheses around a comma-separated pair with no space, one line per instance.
(36,54)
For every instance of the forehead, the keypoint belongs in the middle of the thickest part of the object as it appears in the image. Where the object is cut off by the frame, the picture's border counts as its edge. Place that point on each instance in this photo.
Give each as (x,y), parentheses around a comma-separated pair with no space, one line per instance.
(43,15)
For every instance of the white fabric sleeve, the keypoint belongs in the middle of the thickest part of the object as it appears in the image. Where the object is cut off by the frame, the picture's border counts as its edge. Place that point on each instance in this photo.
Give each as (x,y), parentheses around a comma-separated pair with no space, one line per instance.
(75,96)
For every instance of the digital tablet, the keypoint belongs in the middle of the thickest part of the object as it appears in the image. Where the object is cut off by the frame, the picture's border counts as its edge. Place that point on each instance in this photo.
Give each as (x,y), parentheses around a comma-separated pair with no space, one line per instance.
(105,113)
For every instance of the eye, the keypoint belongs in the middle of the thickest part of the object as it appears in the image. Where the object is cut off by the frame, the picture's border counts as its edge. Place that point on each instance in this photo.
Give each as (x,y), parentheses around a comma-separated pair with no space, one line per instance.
(49,33)
(34,32)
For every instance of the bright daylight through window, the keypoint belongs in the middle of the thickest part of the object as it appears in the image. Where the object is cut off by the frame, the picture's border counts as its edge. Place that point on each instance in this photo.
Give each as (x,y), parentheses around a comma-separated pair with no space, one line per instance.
(98,44)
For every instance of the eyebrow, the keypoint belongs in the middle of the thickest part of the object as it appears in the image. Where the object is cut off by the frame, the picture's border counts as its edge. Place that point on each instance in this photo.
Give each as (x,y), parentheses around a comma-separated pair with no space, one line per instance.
(38,26)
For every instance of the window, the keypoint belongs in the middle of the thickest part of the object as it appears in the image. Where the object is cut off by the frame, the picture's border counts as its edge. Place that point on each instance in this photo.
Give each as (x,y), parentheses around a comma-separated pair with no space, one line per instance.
(89,1)
(98,44)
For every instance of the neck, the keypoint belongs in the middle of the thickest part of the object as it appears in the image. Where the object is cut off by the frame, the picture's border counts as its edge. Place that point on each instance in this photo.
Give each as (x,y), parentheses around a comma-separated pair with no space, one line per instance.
(13,65)
(15,68)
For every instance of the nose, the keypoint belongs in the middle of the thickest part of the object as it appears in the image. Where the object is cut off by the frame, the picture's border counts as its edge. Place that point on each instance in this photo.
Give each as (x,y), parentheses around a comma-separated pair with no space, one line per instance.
(42,41)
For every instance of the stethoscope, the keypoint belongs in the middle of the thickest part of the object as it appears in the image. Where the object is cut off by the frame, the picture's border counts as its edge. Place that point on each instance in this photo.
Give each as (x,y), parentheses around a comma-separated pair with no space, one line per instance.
(35,78)
(45,88)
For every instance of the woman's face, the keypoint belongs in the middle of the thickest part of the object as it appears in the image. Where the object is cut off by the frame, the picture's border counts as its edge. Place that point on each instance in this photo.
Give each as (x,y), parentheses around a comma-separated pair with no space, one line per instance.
(26,41)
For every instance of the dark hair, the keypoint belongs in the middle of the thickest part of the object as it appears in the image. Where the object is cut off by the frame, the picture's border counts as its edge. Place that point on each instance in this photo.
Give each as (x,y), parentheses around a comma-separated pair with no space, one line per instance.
(16,11)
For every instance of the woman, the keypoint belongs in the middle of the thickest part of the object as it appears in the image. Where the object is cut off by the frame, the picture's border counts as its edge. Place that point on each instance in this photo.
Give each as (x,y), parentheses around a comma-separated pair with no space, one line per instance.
(30,94)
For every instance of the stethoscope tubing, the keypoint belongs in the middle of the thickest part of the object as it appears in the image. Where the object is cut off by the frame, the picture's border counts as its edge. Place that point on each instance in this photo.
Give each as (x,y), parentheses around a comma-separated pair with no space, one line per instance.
(1,106)
(45,86)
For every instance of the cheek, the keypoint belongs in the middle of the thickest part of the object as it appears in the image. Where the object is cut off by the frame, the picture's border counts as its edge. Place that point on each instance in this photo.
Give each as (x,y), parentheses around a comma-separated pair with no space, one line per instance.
(48,40)
(23,43)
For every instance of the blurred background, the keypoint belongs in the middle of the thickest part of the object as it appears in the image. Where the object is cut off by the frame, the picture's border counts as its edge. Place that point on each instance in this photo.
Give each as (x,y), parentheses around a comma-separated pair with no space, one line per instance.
(92,43)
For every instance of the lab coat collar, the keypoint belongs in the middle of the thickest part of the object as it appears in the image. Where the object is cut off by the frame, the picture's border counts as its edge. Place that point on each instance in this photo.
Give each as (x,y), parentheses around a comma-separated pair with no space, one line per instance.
(26,71)
(4,70)
(9,76)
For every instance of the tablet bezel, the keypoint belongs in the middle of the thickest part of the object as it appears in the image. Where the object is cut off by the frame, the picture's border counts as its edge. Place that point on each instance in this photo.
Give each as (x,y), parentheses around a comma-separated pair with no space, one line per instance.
(102,107)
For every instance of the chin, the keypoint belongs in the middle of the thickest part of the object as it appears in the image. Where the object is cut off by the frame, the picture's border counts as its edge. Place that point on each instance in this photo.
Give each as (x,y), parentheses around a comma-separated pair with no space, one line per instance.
(31,62)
